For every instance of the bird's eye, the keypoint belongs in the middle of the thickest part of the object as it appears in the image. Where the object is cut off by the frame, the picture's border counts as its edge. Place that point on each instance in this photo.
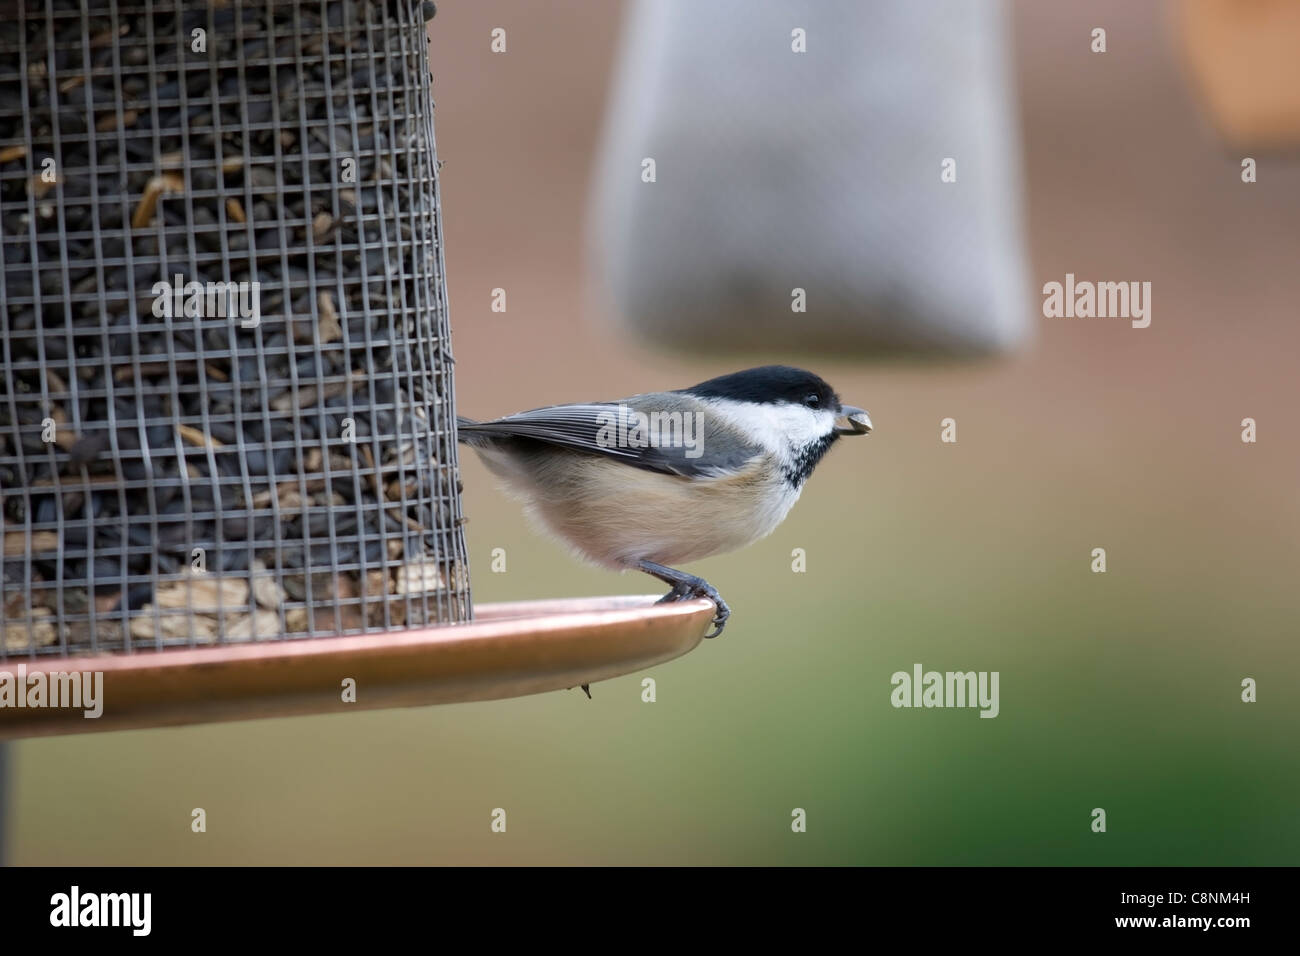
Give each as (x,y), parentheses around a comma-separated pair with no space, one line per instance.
(812,401)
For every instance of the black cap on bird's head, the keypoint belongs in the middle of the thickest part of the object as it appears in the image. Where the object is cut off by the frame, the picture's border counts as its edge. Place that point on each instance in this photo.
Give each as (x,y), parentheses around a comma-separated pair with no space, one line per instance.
(782,384)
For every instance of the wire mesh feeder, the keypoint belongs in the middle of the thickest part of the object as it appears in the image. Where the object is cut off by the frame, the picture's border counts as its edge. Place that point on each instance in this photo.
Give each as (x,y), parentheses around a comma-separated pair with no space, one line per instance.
(227,414)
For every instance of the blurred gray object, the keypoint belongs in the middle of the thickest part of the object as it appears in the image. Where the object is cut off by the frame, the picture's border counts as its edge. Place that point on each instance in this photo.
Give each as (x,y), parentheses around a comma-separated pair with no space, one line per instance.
(778,170)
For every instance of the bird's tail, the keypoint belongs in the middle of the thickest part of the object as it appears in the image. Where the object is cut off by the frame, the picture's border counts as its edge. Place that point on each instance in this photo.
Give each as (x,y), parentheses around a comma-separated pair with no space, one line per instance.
(465,431)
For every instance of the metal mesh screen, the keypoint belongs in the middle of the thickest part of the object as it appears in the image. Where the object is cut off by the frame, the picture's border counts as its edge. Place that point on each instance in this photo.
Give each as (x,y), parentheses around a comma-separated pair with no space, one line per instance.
(227,409)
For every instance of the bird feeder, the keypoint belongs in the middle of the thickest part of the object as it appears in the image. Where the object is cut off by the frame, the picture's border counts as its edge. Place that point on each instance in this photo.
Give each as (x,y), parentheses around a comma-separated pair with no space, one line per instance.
(228,464)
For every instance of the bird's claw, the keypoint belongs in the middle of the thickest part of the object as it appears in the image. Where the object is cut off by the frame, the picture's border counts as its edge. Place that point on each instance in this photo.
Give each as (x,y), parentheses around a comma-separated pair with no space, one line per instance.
(719,622)
(689,590)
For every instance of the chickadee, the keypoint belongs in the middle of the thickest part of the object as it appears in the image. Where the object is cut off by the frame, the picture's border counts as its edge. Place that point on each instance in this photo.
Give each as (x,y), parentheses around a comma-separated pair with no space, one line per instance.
(669,477)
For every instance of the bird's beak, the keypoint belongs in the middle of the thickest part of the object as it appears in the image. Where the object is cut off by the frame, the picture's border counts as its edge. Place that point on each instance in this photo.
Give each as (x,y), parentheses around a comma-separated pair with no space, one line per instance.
(859,422)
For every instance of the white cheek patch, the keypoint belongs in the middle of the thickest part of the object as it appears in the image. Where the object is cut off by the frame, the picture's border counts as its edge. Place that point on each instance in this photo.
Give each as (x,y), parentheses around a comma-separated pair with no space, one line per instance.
(783,428)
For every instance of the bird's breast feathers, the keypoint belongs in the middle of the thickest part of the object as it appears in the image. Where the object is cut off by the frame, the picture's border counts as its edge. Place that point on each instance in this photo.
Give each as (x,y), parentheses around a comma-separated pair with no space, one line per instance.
(616,516)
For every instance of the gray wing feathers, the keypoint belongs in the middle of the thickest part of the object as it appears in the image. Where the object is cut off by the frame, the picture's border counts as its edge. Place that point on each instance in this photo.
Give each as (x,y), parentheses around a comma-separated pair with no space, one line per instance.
(684,437)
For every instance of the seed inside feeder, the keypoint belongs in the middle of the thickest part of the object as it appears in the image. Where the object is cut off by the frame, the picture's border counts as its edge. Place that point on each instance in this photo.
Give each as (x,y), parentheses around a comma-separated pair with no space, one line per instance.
(305,462)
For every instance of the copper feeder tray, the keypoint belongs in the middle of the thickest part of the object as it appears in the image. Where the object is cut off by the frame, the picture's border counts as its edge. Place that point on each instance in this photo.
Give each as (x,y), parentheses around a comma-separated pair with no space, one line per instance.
(510,650)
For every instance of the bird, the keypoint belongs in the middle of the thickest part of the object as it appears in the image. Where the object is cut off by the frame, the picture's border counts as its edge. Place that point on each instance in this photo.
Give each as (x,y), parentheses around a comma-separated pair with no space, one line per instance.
(666,478)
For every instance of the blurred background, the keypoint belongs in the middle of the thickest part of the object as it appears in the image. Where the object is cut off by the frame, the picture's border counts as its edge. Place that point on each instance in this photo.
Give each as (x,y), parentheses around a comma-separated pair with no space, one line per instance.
(1118,690)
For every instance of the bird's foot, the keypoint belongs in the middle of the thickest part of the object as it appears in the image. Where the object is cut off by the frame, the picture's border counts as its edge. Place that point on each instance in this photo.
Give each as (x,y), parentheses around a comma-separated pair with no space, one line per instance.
(687,587)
